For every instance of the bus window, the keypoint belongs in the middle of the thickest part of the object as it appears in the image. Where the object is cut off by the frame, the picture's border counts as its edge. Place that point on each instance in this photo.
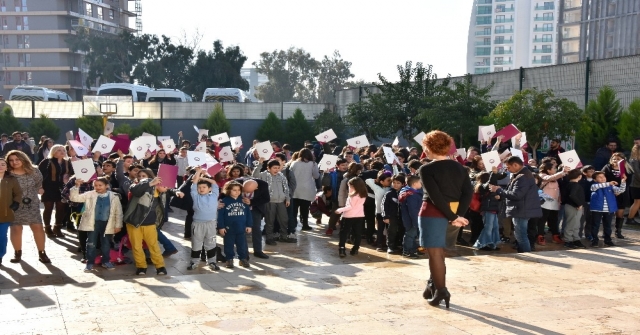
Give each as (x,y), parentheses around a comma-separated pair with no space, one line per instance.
(142,96)
(116,92)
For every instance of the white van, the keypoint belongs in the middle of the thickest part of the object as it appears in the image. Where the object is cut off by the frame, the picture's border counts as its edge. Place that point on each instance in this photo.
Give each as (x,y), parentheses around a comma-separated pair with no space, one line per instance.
(138,93)
(224,95)
(36,93)
(167,95)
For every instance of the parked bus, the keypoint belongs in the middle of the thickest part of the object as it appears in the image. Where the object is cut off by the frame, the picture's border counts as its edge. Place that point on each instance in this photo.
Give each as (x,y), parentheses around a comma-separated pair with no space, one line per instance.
(167,95)
(35,93)
(138,93)
(224,95)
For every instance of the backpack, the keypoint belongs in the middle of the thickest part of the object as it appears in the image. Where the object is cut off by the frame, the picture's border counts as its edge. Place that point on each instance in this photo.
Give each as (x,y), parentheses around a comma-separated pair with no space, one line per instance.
(115,256)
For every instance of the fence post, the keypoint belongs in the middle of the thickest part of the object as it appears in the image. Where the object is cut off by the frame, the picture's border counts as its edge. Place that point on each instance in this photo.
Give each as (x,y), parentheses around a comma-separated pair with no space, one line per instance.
(282,110)
(33,110)
(521,77)
(161,116)
(586,83)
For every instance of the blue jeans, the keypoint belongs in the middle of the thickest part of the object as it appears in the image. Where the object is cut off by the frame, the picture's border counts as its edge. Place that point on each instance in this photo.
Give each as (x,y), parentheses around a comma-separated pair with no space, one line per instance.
(4,228)
(166,244)
(409,244)
(105,242)
(520,227)
(605,219)
(490,234)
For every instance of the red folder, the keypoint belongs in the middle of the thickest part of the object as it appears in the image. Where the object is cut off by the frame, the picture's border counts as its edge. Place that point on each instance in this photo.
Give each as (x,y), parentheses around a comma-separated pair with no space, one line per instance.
(214,169)
(168,174)
(508,132)
(122,144)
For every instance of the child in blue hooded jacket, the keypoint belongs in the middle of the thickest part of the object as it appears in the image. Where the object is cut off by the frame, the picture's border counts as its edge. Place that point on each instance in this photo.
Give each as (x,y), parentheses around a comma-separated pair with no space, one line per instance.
(234,221)
(410,200)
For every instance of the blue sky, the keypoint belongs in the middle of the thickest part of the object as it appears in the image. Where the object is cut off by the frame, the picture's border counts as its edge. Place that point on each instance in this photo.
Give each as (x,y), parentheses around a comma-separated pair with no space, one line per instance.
(375,36)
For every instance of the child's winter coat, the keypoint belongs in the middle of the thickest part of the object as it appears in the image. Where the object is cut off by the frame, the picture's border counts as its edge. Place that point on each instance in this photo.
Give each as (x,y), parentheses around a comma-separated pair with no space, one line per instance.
(235,216)
(410,201)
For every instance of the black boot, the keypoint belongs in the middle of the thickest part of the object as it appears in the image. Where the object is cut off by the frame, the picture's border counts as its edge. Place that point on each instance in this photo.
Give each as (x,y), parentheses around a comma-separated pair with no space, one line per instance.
(619,222)
(439,295)
(219,256)
(428,291)
(342,252)
(17,257)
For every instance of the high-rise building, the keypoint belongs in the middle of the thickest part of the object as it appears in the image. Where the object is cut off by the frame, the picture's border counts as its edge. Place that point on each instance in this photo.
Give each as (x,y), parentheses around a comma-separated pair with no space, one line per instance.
(598,29)
(255,79)
(508,34)
(33,47)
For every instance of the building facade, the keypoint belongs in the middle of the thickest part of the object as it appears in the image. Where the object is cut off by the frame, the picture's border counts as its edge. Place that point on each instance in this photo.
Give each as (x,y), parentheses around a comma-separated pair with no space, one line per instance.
(255,79)
(598,29)
(508,34)
(33,47)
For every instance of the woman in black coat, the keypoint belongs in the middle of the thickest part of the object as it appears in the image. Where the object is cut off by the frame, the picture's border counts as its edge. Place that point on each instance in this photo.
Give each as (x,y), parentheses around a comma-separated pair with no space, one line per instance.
(55,170)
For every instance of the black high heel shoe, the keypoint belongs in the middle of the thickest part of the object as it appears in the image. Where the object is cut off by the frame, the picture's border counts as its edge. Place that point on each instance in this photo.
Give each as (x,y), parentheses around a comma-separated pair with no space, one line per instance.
(439,295)
(428,291)
(342,252)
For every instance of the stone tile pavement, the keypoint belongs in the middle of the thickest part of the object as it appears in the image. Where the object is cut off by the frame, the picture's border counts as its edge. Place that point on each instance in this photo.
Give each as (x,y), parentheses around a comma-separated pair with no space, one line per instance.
(305,288)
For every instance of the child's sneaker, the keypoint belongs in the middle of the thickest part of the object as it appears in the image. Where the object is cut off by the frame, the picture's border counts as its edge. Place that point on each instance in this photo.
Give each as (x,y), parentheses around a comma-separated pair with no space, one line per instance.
(413,255)
(192,266)
(141,271)
(609,243)
(161,271)
(570,245)
(594,243)
(557,239)
(229,264)
(88,268)
(244,263)
(213,266)
(108,266)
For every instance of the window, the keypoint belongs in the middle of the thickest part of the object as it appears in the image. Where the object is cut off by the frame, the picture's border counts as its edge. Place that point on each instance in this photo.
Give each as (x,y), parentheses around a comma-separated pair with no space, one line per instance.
(499,18)
(547,27)
(27,59)
(499,39)
(100,13)
(7,60)
(546,48)
(29,78)
(547,38)
(547,16)
(498,69)
(26,41)
(546,60)
(25,22)
(5,25)
(7,78)
(5,42)
(111,14)
(88,10)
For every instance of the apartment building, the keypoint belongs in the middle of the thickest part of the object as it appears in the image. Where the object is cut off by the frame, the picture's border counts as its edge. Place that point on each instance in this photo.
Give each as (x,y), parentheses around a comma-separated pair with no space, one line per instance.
(255,79)
(508,34)
(33,47)
(598,29)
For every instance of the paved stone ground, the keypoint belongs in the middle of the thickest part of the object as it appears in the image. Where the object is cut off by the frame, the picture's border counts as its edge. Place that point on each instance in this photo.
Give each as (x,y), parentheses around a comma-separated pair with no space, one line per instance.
(307,289)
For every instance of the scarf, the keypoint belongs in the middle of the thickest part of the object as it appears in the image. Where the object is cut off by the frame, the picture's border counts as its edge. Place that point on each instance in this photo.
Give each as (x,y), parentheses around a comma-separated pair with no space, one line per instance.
(52,167)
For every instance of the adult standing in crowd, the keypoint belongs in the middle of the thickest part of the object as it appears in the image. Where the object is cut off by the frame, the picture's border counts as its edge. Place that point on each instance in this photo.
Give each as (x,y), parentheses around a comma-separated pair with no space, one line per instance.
(616,171)
(17,144)
(604,154)
(634,162)
(447,196)
(55,171)
(44,149)
(255,193)
(555,149)
(305,170)
(28,213)
(521,200)
(10,197)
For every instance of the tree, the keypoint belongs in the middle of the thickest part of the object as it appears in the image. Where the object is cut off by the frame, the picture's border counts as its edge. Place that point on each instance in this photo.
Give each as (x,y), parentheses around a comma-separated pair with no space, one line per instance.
(629,126)
(8,122)
(329,119)
(333,74)
(217,68)
(167,65)
(292,76)
(44,126)
(126,128)
(460,109)
(297,129)
(271,129)
(398,105)
(539,114)
(149,126)
(92,125)
(599,122)
(217,122)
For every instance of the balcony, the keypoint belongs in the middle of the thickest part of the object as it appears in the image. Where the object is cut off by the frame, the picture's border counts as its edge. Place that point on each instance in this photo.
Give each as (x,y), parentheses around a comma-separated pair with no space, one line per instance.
(569,36)
(505,10)
(482,43)
(502,62)
(542,51)
(543,29)
(544,18)
(484,2)
(502,52)
(481,70)
(541,61)
(503,20)
(483,22)
(482,53)
(483,33)
(504,0)
(542,40)
(502,41)
(75,23)
(504,31)
(481,64)
(546,7)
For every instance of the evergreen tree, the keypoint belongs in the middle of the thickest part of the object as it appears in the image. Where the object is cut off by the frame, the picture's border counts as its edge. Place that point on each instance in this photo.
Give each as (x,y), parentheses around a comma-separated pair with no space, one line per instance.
(217,122)
(629,125)
(125,128)
(44,126)
(149,126)
(92,125)
(271,129)
(599,122)
(329,119)
(297,129)
(8,122)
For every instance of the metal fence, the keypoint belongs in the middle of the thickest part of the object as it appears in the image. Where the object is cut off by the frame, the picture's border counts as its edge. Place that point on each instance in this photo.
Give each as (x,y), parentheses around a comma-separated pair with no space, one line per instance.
(163,110)
(578,82)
